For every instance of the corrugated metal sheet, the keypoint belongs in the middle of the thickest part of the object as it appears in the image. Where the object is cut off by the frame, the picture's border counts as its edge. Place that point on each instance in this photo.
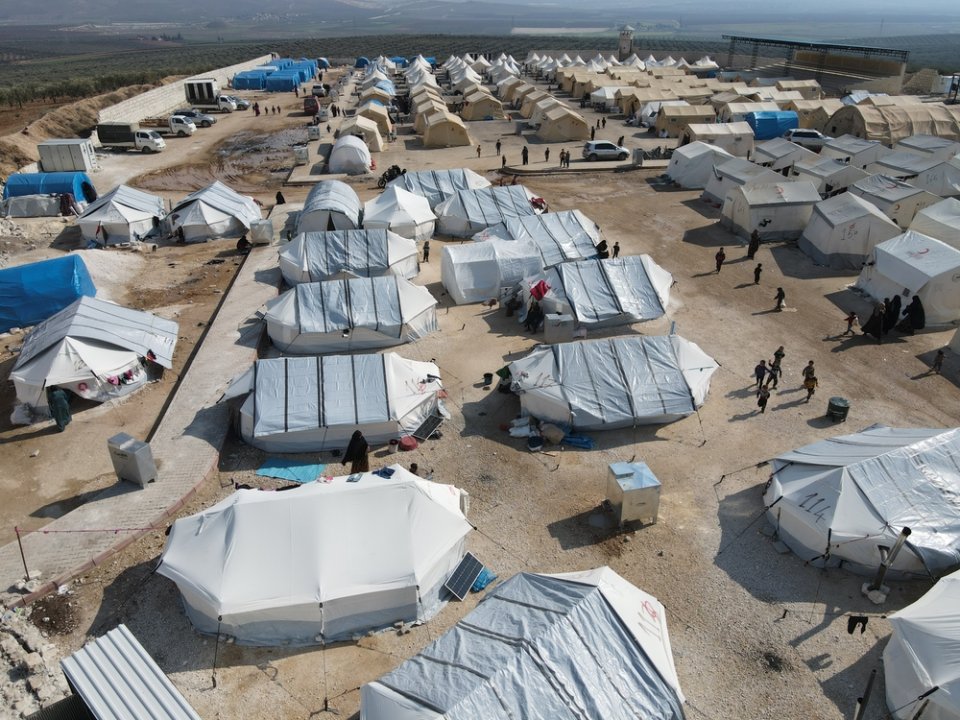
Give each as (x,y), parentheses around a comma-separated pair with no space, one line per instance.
(118,680)
(70,708)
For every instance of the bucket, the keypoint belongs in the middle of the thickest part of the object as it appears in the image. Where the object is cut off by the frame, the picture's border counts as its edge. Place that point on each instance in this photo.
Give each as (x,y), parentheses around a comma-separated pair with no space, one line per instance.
(488,378)
(837,409)
(393,446)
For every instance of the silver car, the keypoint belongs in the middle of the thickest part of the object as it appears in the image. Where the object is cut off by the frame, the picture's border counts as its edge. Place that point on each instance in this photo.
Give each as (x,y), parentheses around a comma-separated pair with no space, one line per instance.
(604,150)
(810,139)
(199,119)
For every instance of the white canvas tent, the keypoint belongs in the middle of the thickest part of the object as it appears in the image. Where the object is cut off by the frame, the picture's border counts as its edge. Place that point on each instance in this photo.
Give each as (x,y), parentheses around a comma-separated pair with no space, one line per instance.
(646,380)
(915,264)
(941,221)
(843,230)
(829,175)
(216,211)
(854,151)
(575,645)
(780,154)
(479,271)
(330,205)
(309,404)
(734,173)
(320,562)
(402,212)
(315,256)
(350,155)
(469,211)
(929,146)
(93,349)
(691,166)
(121,216)
(942,179)
(736,138)
(898,200)
(777,211)
(559,237)
(604,293)
(923,655)
(437,185)
(841,501)
(350,315)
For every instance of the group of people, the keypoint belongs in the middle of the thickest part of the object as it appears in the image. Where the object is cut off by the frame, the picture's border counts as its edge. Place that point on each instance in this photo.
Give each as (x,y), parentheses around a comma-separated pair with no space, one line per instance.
(767,377)
(891,315)
(266,110)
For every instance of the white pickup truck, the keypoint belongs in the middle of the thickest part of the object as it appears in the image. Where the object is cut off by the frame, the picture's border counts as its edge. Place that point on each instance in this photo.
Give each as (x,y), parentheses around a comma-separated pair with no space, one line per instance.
(174,125)
(123,136)
(204,94)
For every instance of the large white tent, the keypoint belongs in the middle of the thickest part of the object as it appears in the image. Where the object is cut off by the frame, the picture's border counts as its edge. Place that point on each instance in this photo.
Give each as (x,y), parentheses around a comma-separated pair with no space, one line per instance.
(574,645)
(309,404)
(402,212)
(843,230)
(330,205)
(922,658)
(914,264)
(603,293)
(479,271)
(350,155)
(215,211)
(315,256)
(929,146)
(941,221)
(349,315)
(898,200)
(854,151)
(734,173)
(831,176)
(560,237)
(437,185)
(123,215)
(93,349)
(644,380)
(781,154)
(320,562)
(777,211)
(691,166)
(844,500)
(469,211)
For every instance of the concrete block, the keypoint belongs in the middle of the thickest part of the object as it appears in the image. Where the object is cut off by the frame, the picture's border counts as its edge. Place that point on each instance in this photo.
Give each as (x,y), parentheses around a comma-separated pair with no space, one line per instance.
(33,663)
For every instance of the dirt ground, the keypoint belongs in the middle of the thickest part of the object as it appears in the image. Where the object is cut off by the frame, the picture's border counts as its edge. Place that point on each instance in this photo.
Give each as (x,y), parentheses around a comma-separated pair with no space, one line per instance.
(755,633)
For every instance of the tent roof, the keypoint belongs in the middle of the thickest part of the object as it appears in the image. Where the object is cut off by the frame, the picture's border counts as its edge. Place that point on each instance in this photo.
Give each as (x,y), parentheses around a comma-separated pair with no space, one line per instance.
(437,185)
(394,204)
(885,188)
(364,252)
(334,196)
(560,236)
(99,320)
(782,194)
(945,212)
(493,661)
(912,259)
(327,541)
(125,198)
(222,198)
(845,208)
(904,164)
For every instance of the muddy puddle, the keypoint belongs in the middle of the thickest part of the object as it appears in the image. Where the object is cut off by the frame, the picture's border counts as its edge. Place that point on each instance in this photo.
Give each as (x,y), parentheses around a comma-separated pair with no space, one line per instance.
(249,162)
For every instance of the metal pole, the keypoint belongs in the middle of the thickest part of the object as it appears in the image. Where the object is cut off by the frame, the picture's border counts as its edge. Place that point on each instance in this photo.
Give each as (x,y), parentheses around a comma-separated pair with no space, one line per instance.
(888,560)
(23,557)
(920,710)
(216,650)
(862,702)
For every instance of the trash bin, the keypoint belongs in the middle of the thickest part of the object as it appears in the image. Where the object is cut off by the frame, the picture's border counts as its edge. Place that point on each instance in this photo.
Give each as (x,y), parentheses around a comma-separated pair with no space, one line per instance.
(837,409)
(132,459)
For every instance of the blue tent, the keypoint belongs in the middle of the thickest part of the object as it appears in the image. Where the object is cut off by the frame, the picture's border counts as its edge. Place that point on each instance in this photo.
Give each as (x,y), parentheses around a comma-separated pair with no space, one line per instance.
(283,81)
(249,80)
(771,124)
(399,61)
(29,294)
(361,62)
(323,63)
(77,184)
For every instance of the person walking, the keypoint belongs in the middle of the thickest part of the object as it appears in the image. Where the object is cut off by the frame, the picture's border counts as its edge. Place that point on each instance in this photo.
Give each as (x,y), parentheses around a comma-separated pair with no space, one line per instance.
(809,371)
(603,122)
(593,133)
(753,245)
(616,250)
(357,453)
(780,297)
(756,273)
(503,161)
(280,199)
(525,154)
(478,151)
(620,140)
(498,148)
(763,396)
(59,404)
(720,257)
(810,385)
(851,320)
(938,361)
(775,369)
(759,373)
(546,155)
(256,109)
(426,251)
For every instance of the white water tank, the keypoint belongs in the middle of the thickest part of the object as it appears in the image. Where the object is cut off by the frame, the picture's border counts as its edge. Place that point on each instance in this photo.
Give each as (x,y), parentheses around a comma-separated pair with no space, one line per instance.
(132,459)
(633,492)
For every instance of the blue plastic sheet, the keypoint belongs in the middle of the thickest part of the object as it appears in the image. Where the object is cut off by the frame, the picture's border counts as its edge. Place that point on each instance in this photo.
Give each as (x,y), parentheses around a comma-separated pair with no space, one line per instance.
(483,579)
(31,293)
(298,471)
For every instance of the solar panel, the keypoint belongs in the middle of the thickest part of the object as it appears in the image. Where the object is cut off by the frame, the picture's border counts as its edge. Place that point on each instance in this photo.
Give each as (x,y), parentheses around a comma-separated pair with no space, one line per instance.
(464,576)
(428,427)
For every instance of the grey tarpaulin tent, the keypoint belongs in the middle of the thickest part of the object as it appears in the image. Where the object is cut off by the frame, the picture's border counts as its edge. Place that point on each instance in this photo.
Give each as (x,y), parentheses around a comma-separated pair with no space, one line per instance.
(316,256)
(560,236)
(469,211)
(564,647)
(331,205)
(437,185)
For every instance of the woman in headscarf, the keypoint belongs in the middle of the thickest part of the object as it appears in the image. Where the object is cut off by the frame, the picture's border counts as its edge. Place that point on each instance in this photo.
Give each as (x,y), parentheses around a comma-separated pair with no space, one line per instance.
(357,453)
(874,326)
(914,317)
(893,314)
(59,407)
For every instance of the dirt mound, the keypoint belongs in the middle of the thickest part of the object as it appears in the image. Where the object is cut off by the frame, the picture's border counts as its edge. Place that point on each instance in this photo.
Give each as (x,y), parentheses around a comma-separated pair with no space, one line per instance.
(19,149)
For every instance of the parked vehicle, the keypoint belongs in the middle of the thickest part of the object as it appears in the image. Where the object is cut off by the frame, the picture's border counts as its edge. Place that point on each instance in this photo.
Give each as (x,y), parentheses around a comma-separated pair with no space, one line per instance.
(603,150)
(310,105)
(810,139)
(123,136)
(204,94)
(198,118)
(318,91)
(173,125)
(241,103)
(391,173)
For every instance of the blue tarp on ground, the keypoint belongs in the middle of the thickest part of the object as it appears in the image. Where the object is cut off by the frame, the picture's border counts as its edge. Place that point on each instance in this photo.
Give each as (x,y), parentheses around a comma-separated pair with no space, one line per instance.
(769,124)
(29,294)
(298,471)
(77,184)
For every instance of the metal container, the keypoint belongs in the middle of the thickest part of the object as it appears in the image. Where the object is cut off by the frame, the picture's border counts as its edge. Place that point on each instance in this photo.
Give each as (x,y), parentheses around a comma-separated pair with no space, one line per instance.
(633,492)
(132,459)
(837,409)
(558,328)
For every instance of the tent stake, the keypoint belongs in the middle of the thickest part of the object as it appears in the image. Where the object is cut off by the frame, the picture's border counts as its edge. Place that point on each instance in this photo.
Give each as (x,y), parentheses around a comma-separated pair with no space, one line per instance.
(23,557)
